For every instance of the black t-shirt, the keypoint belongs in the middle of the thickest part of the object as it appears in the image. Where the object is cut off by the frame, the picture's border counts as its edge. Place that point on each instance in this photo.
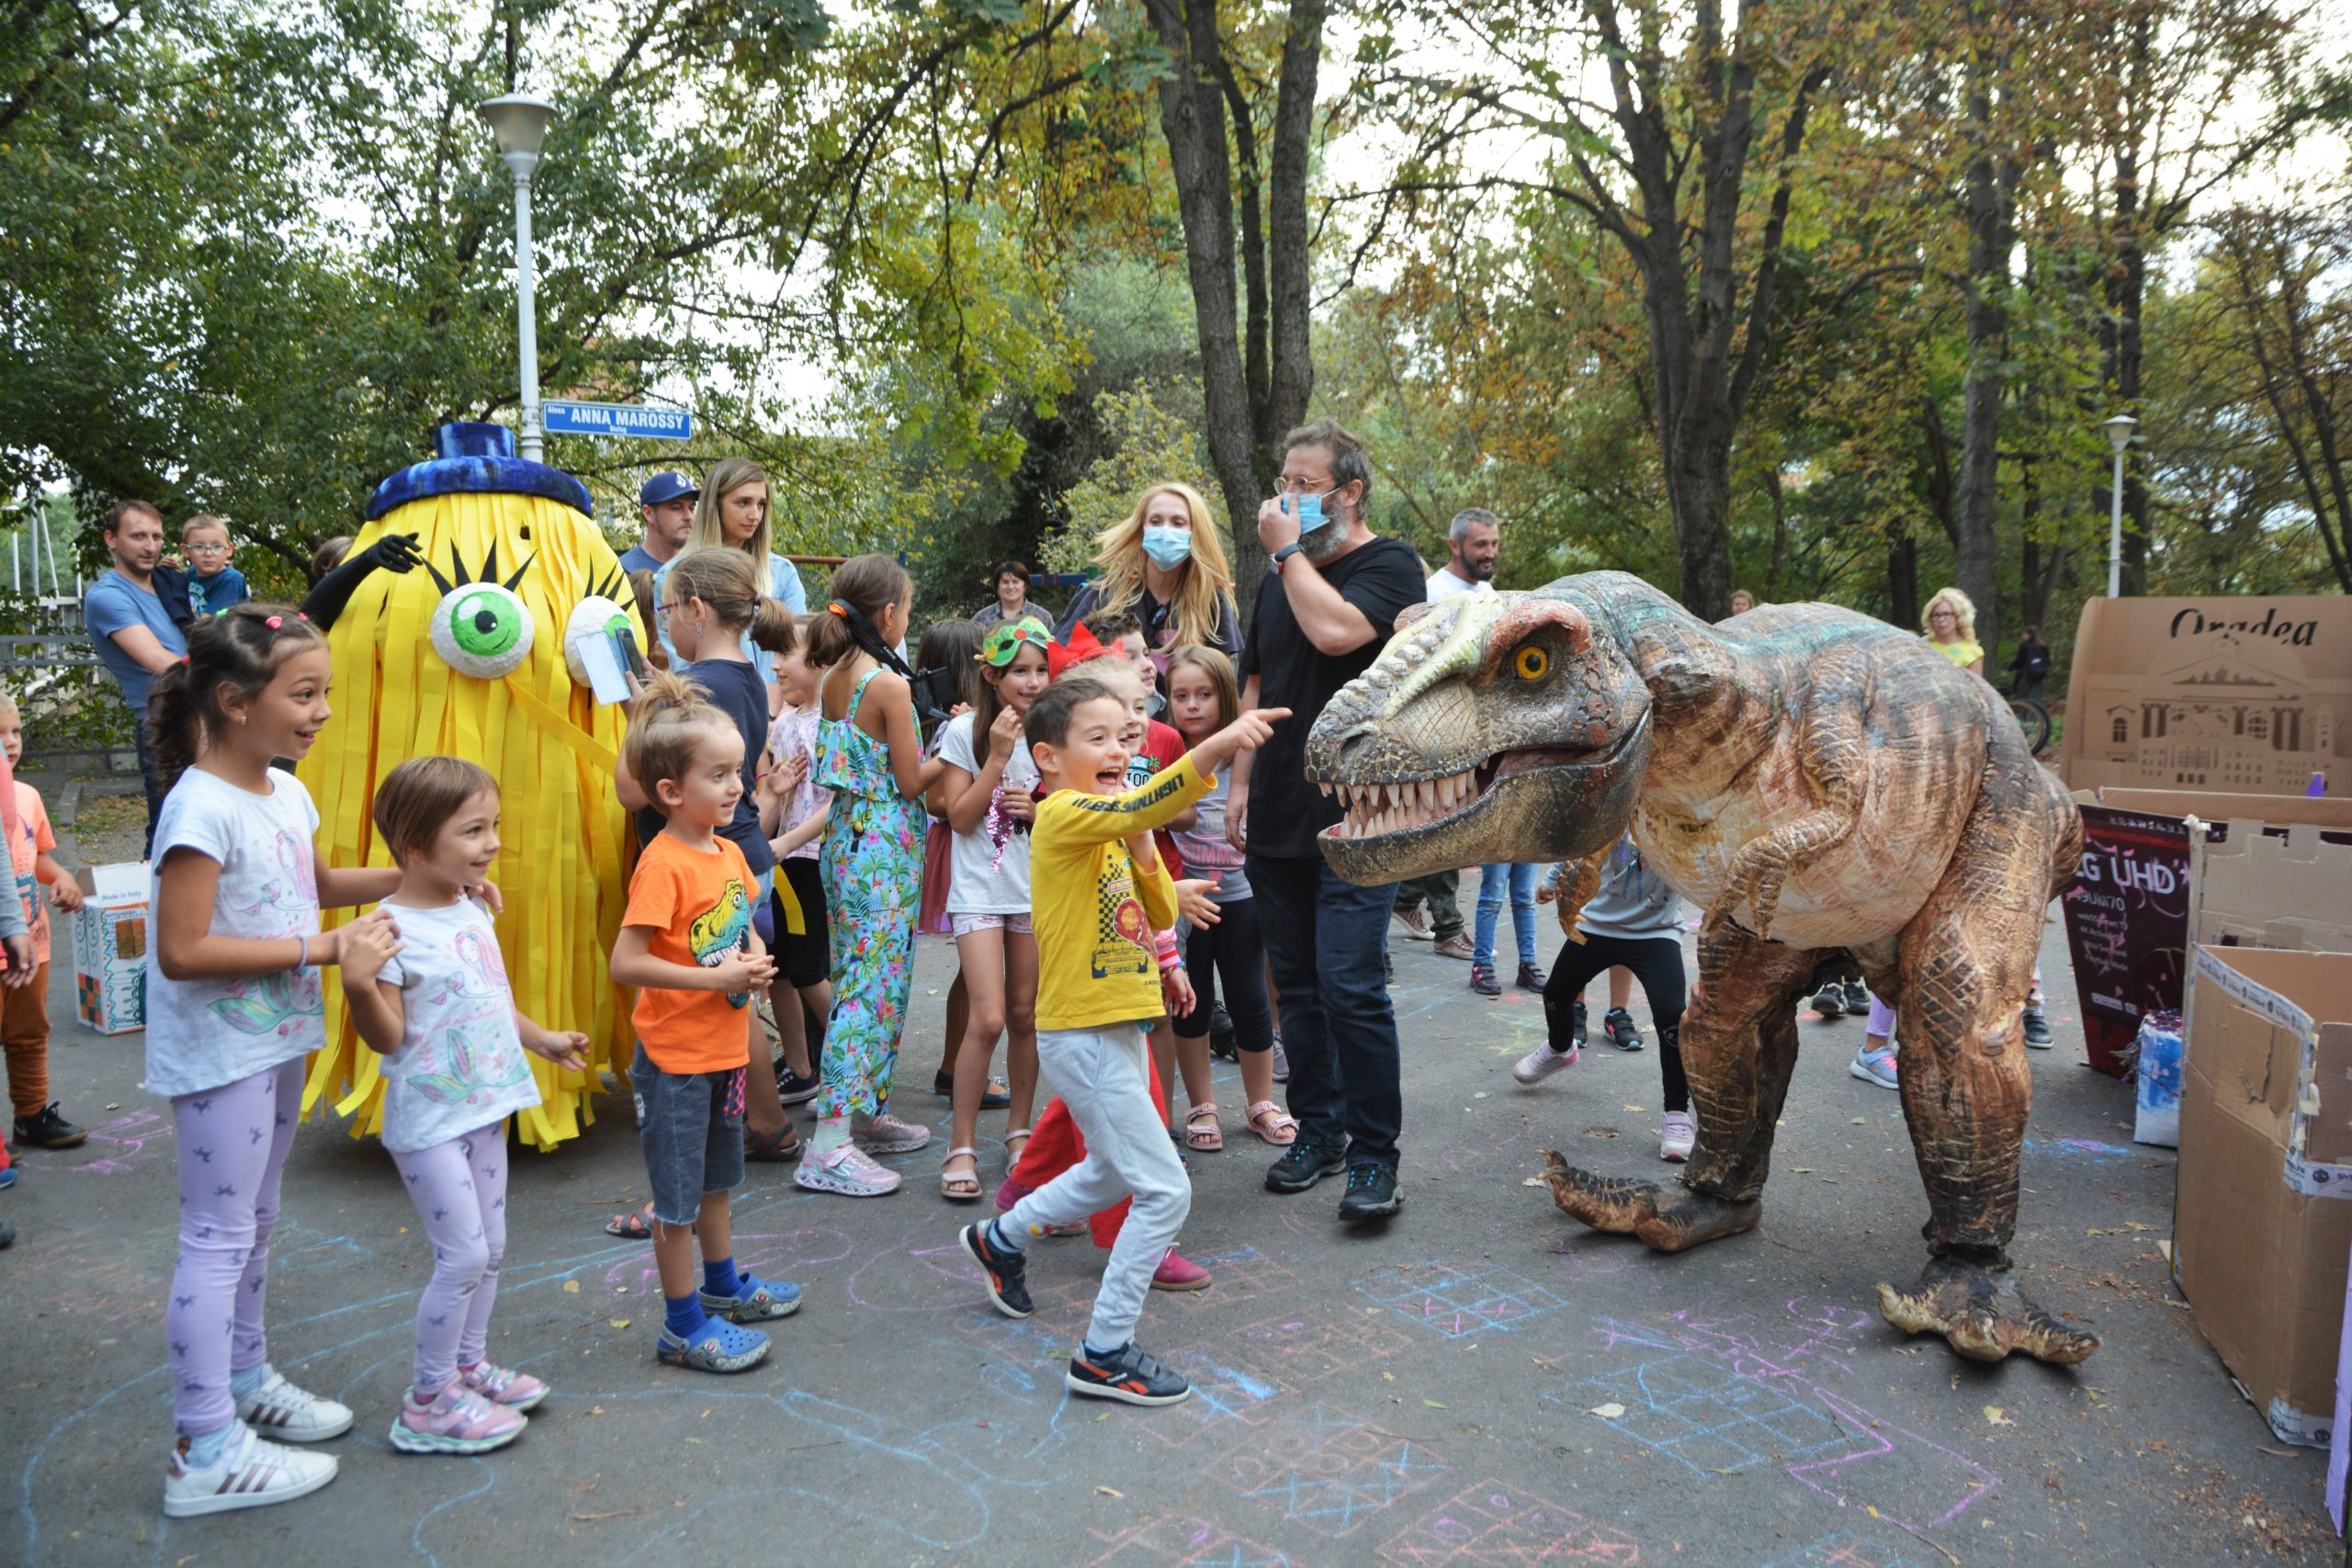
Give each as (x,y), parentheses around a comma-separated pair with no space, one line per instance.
(737,691)
(1379,579)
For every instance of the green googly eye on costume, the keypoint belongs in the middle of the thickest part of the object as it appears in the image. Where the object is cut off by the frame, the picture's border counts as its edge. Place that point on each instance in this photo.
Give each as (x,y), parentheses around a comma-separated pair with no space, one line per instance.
(482,629)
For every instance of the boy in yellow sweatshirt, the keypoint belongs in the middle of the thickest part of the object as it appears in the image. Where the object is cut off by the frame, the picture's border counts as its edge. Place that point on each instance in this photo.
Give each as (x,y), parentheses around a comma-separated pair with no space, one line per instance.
(1097,893)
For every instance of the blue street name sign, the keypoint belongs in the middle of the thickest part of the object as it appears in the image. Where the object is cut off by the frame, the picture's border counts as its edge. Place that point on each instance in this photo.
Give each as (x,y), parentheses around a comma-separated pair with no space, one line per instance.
(618,419)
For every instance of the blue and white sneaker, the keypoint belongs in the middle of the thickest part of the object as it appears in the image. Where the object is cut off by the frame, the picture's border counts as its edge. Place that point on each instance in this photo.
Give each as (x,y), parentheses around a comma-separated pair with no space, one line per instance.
(1875,1067)
(755,1300)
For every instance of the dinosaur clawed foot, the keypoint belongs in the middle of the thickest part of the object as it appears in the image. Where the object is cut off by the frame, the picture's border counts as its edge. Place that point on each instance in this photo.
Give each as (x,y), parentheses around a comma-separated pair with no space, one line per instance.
(1981,1314)
(1669,1218)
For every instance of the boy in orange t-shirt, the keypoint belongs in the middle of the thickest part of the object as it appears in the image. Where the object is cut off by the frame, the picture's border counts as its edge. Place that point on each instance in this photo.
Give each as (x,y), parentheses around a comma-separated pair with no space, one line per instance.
(687,942)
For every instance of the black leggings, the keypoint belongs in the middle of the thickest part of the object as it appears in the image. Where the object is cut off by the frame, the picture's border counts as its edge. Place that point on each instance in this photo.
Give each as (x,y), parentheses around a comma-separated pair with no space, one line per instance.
(1656,963)
(1229,949)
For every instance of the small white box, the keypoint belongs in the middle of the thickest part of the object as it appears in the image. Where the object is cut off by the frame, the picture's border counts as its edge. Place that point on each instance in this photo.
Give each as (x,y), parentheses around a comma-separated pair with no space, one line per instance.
(110,947)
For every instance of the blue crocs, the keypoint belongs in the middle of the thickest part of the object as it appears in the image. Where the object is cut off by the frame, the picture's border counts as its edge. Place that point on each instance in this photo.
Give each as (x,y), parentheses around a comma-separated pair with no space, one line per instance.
(755,1300)
(719,1346)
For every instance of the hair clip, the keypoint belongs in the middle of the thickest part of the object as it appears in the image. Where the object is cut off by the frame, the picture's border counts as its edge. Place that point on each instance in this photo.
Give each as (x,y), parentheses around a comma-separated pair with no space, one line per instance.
(274,621)
(301,614)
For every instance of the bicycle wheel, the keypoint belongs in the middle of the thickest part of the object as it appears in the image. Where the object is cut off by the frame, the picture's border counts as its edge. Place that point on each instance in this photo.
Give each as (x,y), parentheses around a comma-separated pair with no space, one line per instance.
(2034,719)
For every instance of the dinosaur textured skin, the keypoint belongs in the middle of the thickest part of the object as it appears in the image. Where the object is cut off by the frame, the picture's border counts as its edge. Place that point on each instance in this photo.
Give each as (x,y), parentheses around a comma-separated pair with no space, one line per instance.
(1827,789)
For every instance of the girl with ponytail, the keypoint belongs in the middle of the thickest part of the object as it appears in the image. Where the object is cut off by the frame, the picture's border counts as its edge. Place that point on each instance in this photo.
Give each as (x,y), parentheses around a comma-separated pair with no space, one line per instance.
(234,1004)
(869,754)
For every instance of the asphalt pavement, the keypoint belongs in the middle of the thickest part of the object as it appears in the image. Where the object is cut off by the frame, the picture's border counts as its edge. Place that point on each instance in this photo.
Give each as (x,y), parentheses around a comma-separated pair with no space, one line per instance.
(1481,1382)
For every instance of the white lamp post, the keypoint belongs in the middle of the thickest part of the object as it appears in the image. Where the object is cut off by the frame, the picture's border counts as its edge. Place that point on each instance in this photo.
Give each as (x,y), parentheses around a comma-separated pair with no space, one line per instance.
(520,124)
(2119,430)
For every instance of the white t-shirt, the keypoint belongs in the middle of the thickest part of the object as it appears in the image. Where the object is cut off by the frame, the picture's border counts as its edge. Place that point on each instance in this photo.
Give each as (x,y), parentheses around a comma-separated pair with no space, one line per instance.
(1445,585)
(460,1066)
(204,1033)
(989,878)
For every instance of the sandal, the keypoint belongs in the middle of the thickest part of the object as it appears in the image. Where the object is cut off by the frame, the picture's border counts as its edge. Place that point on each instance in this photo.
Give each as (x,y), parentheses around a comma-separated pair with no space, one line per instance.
(638,1226)
(1012,1149)
(1277,1128)
(996,1096)
(960,1186)
(1202,1139)
(782,1149)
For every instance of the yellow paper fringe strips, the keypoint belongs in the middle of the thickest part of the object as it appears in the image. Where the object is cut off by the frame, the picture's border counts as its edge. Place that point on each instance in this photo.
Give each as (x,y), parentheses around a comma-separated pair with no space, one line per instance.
(547,741)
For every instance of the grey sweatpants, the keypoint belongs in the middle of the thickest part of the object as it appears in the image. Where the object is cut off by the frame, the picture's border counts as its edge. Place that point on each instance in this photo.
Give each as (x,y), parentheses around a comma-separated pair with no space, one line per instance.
(1102,1076)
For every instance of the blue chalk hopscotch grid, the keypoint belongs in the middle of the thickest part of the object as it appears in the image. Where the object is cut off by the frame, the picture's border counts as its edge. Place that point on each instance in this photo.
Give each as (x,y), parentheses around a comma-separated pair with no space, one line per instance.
(1706,1416)
(1329,1471)
(1460,1303)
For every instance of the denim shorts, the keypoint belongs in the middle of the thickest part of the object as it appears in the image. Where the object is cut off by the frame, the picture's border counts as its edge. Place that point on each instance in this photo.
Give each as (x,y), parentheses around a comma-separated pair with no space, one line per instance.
(692,1128)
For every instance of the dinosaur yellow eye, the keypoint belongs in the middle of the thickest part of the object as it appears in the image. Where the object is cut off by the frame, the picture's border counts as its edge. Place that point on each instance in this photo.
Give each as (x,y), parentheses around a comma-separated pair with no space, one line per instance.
(1533,663)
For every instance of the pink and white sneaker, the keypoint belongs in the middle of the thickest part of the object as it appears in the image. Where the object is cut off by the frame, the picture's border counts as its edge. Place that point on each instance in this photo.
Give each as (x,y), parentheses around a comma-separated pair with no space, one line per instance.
(504,1385)
(458,1421)
(884,1133)
(1178,1272)
(848,1170)
(1676,1136)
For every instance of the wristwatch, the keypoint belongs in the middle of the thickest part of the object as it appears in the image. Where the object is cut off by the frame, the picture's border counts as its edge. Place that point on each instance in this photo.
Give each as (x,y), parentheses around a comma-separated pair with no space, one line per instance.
(1282,555)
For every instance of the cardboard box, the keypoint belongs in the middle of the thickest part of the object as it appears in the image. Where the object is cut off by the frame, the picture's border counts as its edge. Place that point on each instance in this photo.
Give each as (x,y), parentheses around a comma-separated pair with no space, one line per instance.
(110,947)
(2253,887)
(2245,695)
(2262,1232)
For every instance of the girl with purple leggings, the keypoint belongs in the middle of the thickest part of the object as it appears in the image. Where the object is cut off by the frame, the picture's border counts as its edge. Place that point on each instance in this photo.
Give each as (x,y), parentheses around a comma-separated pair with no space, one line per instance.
(234,1004)
(432,996)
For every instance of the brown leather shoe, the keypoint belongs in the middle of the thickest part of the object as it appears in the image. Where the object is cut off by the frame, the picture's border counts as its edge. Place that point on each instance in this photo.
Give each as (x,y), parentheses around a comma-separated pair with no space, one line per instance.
(1457,946)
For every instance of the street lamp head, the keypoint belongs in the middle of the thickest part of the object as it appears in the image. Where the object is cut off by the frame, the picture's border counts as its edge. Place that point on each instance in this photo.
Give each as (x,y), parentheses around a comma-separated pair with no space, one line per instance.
(520,124)
(2119,428)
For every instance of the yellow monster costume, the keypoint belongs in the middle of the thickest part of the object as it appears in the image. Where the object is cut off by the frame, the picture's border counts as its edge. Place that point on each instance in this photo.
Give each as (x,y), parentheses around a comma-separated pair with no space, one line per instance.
(466,657)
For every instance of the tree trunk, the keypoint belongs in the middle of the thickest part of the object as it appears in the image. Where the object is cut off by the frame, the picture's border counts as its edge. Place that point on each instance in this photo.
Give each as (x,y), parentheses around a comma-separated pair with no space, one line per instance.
(1992,183)
(1254,395)
(1903,581)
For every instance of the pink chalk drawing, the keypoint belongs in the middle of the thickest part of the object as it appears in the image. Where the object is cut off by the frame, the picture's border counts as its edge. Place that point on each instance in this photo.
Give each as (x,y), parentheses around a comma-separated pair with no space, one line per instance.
(1183,1541)
(117,1145)
(1491,1525)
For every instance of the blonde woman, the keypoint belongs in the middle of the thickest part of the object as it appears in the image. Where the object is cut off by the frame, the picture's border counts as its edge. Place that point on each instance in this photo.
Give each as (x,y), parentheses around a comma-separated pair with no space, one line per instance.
(732,511)
(1950,624)
(1164,562)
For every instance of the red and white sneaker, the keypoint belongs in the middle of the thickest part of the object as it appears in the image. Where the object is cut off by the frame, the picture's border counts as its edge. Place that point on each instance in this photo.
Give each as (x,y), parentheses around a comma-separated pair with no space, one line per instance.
(504,1385)
(1178,1272)
(250,1473)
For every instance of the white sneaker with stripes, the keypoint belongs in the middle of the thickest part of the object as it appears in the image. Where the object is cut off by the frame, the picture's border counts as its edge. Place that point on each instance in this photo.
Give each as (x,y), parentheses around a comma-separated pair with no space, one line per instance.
(251,1473)
(279,1411)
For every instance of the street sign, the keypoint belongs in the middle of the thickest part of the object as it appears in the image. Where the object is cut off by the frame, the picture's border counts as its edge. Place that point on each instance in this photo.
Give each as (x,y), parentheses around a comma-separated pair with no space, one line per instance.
(618,419)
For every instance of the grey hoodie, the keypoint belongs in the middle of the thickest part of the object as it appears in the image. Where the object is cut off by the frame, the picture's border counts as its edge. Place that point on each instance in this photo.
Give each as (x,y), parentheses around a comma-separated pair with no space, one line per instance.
(1633,903)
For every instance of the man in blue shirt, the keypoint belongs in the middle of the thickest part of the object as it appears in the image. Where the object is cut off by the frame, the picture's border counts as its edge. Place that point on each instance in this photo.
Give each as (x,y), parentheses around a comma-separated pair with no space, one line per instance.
(131,628)
(666,502)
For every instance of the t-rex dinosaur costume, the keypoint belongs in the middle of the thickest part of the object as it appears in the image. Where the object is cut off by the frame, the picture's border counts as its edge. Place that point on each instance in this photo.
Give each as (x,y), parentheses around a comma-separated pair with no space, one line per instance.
(1820,783)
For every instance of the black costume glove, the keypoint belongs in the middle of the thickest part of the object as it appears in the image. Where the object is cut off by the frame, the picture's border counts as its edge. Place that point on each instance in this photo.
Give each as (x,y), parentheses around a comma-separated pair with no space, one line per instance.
(395,553)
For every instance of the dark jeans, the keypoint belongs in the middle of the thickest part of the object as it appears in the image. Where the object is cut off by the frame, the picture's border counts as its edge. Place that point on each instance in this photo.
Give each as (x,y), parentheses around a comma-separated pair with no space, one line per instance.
(1324,939)
(1436,890)
(1230,951)
(152,779)
(1656,963)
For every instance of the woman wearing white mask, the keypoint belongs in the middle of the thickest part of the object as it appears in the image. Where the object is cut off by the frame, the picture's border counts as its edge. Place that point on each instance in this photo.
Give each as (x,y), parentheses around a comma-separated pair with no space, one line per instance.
(1166,562)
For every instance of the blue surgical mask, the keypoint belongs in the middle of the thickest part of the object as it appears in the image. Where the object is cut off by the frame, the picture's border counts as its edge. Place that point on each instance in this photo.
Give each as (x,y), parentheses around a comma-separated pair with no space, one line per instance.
(1167,547)
(1308,508)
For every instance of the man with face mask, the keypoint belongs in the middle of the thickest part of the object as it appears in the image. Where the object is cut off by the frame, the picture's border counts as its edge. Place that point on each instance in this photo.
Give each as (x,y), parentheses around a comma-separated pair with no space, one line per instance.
(1471,545)
(1332,592)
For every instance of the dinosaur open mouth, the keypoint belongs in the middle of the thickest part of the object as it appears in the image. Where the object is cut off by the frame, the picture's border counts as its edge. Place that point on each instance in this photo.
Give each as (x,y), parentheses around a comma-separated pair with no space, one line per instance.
(1378,809)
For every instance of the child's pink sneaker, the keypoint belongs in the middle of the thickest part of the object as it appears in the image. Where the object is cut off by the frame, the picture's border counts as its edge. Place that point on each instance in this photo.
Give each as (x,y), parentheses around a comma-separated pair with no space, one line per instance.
(504,1385)
(848,1170)
(458,1421)
(1177,1272)
(884,1133)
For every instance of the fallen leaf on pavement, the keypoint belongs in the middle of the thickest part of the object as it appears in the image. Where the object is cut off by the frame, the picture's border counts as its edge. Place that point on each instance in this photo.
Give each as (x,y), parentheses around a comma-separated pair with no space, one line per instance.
(618,1322)
(1608,1412)
(1108,1492)
(571,1287)
(1993,1417)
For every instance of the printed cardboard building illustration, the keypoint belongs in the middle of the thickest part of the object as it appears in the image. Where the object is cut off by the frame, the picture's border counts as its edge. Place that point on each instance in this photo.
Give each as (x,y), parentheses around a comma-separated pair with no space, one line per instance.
(2249,695)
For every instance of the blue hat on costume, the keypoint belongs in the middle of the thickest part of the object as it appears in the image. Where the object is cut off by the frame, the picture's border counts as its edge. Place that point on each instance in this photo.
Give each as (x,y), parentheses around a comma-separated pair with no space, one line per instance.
(666,487)
(477,458)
